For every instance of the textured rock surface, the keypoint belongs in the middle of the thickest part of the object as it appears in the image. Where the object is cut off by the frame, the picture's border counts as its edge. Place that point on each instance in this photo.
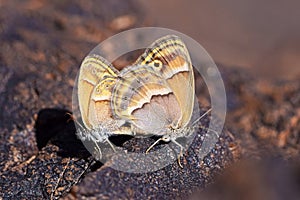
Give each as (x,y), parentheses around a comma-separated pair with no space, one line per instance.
(42,45)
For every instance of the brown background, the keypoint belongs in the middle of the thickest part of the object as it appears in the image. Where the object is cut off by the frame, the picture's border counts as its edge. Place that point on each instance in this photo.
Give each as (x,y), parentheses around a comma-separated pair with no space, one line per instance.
(260,35)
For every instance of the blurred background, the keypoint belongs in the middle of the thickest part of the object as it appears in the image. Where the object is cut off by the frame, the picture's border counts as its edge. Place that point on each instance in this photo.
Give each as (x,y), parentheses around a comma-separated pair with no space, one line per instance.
(42,44)
(260,35)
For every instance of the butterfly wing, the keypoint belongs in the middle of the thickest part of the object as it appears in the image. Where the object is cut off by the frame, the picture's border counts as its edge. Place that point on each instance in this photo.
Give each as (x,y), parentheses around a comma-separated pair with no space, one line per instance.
(144,98)
(169,57)
(95,82)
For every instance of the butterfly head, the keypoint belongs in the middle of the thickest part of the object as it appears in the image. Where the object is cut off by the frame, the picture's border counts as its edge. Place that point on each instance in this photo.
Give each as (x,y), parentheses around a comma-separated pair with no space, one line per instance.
(176,131)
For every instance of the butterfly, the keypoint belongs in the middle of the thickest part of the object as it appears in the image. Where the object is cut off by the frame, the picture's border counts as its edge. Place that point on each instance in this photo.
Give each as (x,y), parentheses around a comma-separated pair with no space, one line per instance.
(96,80)
(155,95)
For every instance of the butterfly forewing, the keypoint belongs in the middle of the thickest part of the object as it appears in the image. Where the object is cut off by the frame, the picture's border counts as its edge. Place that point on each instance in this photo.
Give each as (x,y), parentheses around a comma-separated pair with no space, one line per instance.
(169,57)
(93,94)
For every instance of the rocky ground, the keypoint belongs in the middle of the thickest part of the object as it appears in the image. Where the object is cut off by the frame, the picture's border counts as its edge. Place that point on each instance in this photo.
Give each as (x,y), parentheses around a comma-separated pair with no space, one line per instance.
(42,46)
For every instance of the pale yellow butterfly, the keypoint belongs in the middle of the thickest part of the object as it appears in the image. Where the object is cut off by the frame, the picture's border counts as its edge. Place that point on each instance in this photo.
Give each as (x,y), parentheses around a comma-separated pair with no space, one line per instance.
(96,80)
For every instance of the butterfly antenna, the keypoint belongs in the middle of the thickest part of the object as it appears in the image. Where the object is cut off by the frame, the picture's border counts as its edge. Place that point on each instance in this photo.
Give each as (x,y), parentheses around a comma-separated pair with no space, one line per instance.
(197,120)
(76,122)
(203,115)
(71,117)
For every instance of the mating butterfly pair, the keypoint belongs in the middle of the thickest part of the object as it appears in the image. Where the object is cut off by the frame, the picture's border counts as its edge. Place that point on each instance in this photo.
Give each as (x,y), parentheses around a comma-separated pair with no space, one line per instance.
(155,95)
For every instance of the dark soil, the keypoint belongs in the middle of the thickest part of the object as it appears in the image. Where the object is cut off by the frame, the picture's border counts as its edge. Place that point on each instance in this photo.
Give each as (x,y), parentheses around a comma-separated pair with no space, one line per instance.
(42,46)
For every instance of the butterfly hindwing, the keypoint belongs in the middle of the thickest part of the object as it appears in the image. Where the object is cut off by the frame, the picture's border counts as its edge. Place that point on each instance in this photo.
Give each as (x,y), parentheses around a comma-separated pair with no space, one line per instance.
(142,97)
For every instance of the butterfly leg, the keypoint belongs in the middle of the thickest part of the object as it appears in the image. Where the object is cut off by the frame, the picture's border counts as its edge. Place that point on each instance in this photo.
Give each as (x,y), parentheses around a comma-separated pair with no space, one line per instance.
(133,129)
(111,145)
(180,154)
(98,150)
(157,141)
(167,138)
